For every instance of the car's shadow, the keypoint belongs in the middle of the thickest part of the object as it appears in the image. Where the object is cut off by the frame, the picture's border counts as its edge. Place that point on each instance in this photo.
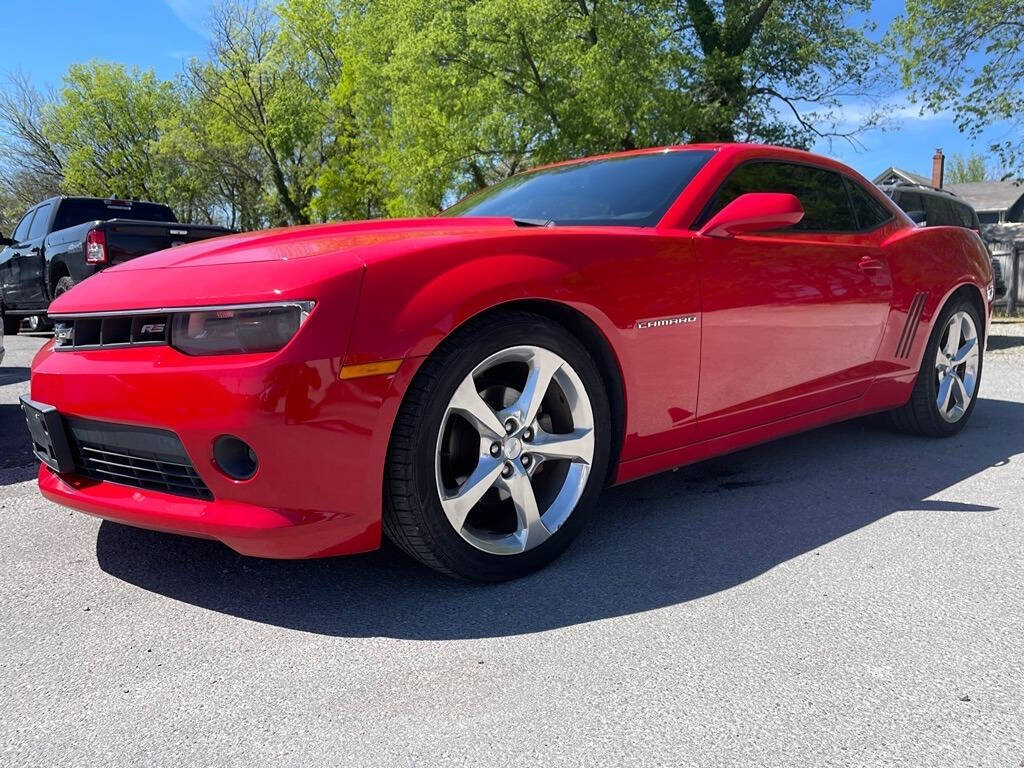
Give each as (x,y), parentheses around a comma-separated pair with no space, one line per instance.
(13,374)
(17,462)
(997,342)
(653,543)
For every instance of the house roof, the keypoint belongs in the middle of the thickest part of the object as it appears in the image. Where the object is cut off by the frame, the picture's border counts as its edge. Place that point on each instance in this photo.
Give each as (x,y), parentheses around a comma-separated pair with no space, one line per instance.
(988,195)
(911,178)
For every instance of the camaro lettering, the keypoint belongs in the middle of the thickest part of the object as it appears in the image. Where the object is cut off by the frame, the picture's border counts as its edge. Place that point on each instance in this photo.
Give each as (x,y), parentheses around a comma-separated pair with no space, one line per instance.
(666,321)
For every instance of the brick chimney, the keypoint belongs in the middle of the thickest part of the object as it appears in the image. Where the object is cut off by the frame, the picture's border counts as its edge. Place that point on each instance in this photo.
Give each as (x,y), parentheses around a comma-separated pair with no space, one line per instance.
(938,168)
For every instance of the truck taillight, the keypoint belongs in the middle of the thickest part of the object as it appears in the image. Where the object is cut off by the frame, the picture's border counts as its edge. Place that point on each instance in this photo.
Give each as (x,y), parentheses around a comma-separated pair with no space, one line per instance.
(96,247)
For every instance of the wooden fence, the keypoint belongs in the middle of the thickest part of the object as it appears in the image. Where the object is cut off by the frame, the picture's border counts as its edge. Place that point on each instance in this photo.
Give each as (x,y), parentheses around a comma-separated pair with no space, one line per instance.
(1010,255)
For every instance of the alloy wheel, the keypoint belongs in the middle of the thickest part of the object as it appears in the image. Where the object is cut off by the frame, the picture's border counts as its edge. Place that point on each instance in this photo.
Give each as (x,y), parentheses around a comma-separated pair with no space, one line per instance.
(514,450)
(956,366)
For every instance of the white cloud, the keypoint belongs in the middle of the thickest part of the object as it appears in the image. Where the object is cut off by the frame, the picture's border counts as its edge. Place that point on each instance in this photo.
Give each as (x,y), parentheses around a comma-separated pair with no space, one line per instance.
(191,13)
(897,109)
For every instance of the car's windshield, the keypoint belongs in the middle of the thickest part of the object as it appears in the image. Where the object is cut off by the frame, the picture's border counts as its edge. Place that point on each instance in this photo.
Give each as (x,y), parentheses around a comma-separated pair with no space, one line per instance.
(630,191)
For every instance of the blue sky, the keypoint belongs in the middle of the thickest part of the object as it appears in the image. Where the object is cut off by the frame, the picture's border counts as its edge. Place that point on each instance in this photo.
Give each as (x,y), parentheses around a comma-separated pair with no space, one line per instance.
(162,34)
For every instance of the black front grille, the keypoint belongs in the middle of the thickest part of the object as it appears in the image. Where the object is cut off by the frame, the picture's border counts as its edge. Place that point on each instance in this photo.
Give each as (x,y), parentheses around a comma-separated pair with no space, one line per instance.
(113,331)
(153,459)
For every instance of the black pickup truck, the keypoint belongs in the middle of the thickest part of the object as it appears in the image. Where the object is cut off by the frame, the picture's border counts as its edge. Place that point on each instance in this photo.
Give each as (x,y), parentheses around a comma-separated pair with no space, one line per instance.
(64,240)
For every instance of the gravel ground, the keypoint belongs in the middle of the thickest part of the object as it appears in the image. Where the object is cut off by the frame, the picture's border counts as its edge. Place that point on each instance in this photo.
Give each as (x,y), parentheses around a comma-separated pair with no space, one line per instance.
(846,597)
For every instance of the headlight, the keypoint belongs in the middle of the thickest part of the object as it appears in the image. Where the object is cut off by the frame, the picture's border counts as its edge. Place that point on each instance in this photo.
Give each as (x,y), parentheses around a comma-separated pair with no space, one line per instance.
(238,329)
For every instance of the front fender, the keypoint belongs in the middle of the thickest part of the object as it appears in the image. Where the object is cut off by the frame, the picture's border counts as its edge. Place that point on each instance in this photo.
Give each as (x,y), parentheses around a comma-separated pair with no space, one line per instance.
(411,302)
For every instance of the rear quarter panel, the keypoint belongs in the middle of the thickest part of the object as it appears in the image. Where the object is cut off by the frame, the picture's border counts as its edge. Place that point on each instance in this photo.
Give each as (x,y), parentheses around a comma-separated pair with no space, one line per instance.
(935,261)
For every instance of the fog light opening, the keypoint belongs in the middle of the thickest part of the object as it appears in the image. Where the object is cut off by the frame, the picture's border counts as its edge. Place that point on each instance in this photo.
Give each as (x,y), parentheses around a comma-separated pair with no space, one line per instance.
(234,457)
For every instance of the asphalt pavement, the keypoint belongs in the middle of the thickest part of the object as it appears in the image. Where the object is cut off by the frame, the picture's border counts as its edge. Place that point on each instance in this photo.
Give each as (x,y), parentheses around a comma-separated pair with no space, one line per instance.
(845,597)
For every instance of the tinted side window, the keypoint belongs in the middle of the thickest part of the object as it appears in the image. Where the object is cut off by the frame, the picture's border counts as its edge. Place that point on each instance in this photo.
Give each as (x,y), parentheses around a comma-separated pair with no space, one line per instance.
(820,192)
(40,221)
(910,201)
(21,231)
(965,215)
(940,212)
(870,213)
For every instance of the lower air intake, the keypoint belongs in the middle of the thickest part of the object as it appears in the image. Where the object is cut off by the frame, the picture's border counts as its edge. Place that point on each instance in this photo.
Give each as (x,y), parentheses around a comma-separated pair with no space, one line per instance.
(152,459)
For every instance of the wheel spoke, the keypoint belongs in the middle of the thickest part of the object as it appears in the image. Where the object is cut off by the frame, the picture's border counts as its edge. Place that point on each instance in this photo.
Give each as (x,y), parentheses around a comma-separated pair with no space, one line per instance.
(945,391)
(953,335)
(457,507)
(578,445)
(531,528)
(962,354)
(543,366)
(468,403)
(960,392)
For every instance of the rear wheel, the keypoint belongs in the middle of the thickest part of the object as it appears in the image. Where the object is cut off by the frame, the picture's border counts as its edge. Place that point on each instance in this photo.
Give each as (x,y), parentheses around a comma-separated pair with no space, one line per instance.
(64,285)
(499,451)
(947,385)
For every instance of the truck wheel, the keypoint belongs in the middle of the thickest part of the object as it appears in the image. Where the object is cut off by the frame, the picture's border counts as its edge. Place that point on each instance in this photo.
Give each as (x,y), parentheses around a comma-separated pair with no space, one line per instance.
(64,285)
(11,324)
(37,323)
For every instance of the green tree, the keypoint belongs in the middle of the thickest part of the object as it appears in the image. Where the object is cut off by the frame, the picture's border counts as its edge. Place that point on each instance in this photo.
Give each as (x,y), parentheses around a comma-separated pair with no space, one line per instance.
(455,95)
(266,93)
(349,178)
(106,123)
(968,56)
(962,170)
(31,166)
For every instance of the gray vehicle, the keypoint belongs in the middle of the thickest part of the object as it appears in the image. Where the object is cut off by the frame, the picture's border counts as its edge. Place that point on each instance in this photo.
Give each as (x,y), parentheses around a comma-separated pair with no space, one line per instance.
(931,207)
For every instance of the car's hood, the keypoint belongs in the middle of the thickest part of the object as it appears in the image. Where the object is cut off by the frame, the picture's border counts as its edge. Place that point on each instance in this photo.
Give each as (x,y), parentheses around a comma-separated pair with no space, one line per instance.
(292,243)
(271,265)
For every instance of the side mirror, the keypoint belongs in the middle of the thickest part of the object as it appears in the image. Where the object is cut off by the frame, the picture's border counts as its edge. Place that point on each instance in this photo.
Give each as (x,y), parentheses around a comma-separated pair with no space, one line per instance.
(5,240)
(755,212)
(918,217)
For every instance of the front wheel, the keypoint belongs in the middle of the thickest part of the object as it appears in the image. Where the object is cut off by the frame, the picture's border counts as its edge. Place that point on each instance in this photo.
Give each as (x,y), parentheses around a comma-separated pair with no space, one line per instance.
(946,389)
(499,451)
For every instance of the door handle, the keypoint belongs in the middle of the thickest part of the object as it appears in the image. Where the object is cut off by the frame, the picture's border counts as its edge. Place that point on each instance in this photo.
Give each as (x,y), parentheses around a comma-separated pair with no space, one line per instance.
(869,264)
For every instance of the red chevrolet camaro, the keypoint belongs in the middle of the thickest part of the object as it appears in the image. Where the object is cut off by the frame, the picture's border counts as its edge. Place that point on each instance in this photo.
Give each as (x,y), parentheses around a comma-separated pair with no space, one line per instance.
(468,384)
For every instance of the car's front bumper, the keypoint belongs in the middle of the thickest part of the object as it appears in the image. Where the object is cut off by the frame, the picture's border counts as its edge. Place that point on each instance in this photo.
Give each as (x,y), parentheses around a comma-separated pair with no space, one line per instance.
(321,443)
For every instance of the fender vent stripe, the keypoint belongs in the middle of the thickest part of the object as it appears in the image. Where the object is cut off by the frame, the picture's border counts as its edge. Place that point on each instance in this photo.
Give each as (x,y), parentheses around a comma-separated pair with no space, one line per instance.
(906,341)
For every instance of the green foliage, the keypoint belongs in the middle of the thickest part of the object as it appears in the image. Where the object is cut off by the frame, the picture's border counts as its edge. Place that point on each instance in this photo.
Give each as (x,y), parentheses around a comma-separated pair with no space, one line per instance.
(963,170)
(459,94)
(968,56)
(107,121)
(309,110)
(31,167)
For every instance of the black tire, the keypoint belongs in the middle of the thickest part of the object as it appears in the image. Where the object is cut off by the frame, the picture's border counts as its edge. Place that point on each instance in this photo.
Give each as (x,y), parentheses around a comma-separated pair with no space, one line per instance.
(38,324)
(413,517)
(63,285)
(920,416)
(11,325)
